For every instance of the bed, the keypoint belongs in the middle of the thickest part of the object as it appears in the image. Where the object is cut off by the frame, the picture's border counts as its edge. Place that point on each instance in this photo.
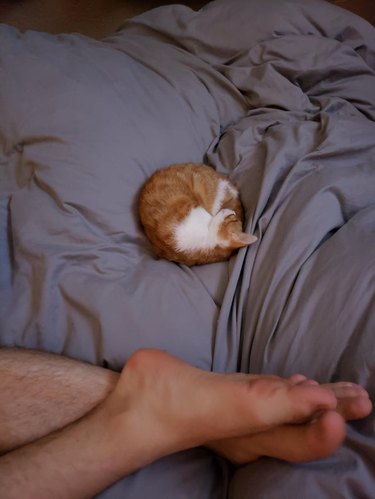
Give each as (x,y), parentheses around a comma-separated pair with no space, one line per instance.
(279,95)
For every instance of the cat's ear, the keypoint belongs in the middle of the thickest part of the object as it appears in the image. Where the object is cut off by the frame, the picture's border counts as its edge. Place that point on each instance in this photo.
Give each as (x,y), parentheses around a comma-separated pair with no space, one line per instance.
(241,239)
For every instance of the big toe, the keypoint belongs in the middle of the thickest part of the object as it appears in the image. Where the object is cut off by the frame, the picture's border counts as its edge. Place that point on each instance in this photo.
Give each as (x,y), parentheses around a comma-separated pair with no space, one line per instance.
(311,441)
(353,401)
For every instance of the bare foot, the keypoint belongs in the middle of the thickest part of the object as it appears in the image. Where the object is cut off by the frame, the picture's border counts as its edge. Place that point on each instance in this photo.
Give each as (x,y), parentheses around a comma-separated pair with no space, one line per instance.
(171,406)
(303,442)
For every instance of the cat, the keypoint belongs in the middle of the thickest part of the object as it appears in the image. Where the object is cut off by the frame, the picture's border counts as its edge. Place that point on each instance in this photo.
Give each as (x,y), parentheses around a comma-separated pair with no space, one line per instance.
(192,215)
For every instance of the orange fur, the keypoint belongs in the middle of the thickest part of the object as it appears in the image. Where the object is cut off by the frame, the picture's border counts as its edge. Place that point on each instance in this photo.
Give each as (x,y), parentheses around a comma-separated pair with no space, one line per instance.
(168,197)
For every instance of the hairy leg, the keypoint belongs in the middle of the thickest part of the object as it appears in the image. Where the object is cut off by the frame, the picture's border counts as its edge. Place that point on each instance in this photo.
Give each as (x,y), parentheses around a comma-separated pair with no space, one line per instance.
(160,405)
(41,393)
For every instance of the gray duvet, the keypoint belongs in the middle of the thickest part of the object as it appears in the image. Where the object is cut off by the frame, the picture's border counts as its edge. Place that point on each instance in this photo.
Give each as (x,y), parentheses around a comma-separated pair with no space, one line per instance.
(280,95)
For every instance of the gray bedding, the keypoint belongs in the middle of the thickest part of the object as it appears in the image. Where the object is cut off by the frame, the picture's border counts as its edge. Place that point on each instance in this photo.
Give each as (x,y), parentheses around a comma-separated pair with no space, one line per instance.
(278,94)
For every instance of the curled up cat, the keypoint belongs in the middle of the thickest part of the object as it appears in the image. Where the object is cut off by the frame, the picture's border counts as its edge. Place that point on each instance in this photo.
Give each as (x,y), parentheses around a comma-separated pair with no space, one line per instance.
(193,215)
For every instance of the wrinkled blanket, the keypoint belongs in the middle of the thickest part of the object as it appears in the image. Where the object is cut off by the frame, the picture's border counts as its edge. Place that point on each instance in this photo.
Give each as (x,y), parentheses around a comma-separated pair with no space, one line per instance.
(280,95)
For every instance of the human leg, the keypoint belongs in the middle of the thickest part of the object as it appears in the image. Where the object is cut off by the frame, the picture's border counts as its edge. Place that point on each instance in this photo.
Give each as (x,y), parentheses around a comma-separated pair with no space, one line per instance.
(160,405)
(42,392)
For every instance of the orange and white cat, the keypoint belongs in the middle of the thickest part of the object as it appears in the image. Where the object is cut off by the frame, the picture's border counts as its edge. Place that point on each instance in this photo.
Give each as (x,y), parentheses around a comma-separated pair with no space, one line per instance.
(192,214)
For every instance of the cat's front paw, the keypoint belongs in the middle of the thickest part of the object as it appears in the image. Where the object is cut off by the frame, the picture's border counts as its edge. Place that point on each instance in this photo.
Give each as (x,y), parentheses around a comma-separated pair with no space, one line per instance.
(225,214)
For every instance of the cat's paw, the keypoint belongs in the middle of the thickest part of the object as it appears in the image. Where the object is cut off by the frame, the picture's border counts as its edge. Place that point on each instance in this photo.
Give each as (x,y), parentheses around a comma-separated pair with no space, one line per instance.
(225,214)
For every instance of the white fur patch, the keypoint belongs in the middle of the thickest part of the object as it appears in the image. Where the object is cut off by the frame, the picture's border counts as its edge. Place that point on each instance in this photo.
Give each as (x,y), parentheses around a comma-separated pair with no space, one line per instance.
(193,232)
(233,190)
(199,230)
(223,187)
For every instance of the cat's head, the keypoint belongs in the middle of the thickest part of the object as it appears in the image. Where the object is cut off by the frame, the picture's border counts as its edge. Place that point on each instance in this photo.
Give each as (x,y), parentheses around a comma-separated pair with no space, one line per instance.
(229,233)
